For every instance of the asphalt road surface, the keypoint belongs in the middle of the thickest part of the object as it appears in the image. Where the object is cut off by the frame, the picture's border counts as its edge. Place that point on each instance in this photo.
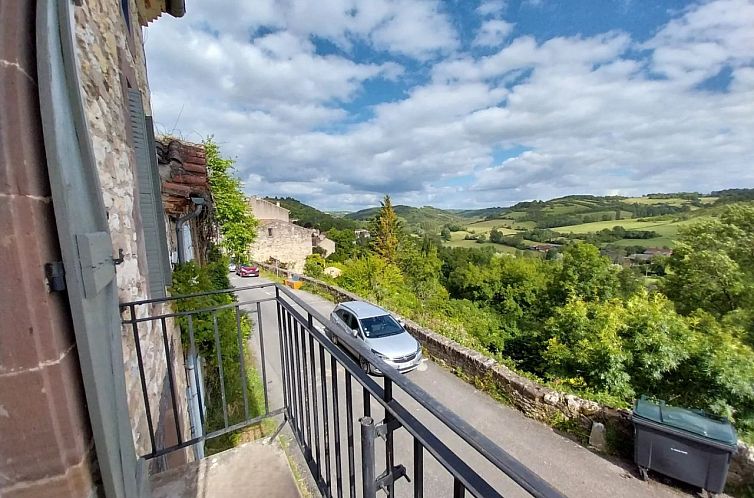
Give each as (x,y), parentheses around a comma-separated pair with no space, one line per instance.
(569,467)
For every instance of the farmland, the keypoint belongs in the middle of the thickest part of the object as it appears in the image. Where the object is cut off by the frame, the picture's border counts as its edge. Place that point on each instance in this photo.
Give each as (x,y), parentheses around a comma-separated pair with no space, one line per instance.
(650,222)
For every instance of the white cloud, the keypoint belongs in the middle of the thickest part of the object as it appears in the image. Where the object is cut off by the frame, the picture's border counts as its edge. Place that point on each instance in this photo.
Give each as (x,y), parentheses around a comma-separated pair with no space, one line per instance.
(491,7)
(599,114)
(416,29)
(493,33)
(697,45)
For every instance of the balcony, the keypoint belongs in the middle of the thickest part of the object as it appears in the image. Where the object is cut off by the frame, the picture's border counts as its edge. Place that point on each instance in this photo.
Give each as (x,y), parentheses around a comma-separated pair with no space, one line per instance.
(355,434)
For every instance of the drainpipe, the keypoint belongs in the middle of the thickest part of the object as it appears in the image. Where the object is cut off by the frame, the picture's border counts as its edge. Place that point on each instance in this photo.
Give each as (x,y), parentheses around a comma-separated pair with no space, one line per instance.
(198,205)
(193,401)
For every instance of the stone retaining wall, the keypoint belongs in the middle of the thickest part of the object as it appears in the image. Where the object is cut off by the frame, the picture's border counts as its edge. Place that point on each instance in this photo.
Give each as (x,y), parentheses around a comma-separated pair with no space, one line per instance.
(534,400)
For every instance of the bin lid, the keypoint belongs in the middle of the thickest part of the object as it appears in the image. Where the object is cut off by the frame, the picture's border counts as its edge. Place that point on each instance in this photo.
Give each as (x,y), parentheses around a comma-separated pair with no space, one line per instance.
(694,421)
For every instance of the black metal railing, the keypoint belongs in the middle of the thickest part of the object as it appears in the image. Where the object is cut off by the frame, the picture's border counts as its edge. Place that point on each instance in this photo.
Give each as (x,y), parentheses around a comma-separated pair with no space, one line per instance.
(343,419)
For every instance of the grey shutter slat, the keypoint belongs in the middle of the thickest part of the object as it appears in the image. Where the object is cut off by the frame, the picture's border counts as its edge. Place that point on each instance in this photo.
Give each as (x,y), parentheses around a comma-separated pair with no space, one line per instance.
(152,217)
(157,191)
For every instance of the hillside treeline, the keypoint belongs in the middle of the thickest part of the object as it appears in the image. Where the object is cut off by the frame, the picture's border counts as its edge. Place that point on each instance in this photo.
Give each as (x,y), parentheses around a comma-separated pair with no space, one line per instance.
(581,323)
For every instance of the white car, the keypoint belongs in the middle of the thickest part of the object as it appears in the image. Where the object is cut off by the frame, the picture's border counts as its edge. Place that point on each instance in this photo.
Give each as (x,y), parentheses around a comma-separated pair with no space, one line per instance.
(383,334)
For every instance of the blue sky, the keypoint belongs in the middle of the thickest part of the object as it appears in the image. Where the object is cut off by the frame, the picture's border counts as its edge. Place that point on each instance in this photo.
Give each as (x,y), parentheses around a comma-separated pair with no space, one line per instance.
(463,104)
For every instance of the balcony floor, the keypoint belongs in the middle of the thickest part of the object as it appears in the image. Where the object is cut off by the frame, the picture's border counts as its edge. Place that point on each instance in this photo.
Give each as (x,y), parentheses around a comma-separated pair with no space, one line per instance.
(252,469)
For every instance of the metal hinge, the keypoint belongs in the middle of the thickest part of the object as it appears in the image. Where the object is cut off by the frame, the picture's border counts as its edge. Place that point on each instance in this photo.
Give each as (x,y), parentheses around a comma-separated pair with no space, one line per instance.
(390,476)
(55,274)
(391,425)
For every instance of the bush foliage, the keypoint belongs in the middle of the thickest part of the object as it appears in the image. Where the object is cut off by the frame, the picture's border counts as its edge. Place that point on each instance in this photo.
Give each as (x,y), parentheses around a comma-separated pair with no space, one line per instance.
(581,322)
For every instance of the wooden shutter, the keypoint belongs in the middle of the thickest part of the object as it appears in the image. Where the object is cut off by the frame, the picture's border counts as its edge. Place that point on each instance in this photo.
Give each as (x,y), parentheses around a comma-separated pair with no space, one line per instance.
(157,191)
(87,251)
(150,202)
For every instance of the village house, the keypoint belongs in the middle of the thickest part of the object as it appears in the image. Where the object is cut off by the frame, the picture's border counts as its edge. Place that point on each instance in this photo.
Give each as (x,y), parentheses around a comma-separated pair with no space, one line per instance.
(279,239)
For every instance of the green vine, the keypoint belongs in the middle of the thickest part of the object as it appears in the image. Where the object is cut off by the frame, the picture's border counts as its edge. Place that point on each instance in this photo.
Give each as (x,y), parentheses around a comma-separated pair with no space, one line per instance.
(238,226)
(190,278)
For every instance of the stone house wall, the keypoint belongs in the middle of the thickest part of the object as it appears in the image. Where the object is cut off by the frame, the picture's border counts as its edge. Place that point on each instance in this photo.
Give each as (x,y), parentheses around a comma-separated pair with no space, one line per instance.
(283,241)
(534,400)
(111,58)
(266,210)
(46,442)
(326,244)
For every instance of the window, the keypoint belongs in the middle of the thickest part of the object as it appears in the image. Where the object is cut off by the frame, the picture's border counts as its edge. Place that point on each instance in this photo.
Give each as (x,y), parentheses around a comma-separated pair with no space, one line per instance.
(348,319)
(380,326)
(269,232)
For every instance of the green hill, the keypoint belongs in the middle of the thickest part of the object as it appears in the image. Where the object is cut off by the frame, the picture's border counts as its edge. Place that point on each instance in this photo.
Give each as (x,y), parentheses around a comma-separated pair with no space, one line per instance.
(490,212)
(578,209)
(650,221)
(425,218)
(310,217)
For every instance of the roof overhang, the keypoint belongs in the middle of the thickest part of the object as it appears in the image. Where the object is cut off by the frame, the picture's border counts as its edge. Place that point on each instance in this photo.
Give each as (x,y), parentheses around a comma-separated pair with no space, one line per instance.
(149,10)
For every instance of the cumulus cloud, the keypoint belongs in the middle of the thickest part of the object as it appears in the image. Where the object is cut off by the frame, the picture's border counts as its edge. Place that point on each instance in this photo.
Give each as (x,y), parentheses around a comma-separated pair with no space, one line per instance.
(493,33)
(602,114)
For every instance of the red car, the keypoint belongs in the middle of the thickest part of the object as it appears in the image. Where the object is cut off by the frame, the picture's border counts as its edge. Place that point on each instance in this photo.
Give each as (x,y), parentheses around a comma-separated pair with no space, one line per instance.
(247,271)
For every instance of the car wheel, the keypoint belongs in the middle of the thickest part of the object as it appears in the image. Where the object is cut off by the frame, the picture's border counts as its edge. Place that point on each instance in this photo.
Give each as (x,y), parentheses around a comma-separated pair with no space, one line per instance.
(365,366)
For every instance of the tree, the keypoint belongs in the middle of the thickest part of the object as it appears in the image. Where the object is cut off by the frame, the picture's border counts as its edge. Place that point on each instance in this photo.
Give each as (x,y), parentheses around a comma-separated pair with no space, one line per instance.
(386,232)
(496,236)
(314,265)
(422,268)
(586,274)
(238,227)
(712,266)
(445,233)
(585,347)
(345,244)
(373,277)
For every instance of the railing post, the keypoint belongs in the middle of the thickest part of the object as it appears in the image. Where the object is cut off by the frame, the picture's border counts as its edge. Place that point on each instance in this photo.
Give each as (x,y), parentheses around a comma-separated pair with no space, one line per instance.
(368,435)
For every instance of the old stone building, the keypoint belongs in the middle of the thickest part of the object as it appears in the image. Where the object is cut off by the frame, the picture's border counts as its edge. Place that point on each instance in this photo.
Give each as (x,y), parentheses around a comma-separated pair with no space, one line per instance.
(281,240)
(83,230)
(186,199)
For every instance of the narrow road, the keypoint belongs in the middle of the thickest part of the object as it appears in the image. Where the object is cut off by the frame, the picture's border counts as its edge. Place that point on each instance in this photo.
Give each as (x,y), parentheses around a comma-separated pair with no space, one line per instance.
(571,468)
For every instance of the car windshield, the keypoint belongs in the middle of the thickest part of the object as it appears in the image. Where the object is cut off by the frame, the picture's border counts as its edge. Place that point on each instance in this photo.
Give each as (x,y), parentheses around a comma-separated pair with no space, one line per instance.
(380,326)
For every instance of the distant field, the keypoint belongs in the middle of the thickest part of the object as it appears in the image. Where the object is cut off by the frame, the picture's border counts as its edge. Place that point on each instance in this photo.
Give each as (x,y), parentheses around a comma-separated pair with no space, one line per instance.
(654,242)
(486,226)
(672,201)
(665,228)
(474,245)
(563,209)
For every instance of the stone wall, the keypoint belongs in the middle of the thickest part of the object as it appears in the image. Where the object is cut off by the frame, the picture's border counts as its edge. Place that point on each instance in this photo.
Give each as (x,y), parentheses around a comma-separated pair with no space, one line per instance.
(266,210)
(46,443)
(283,241)
(326,244)
(537,401)
(111,58)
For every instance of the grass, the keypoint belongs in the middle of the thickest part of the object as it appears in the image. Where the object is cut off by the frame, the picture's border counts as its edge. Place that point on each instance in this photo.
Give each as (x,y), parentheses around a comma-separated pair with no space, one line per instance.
(475,245)
(665,228)
(658,242)
(486,226)
(672,201)
(255,389)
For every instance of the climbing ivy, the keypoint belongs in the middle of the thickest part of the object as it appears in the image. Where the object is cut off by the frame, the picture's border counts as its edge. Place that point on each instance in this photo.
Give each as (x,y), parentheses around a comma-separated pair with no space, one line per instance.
(237,225)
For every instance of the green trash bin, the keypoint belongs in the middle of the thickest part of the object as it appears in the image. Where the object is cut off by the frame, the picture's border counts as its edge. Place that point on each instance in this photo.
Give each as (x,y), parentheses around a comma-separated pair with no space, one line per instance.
(688,445)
